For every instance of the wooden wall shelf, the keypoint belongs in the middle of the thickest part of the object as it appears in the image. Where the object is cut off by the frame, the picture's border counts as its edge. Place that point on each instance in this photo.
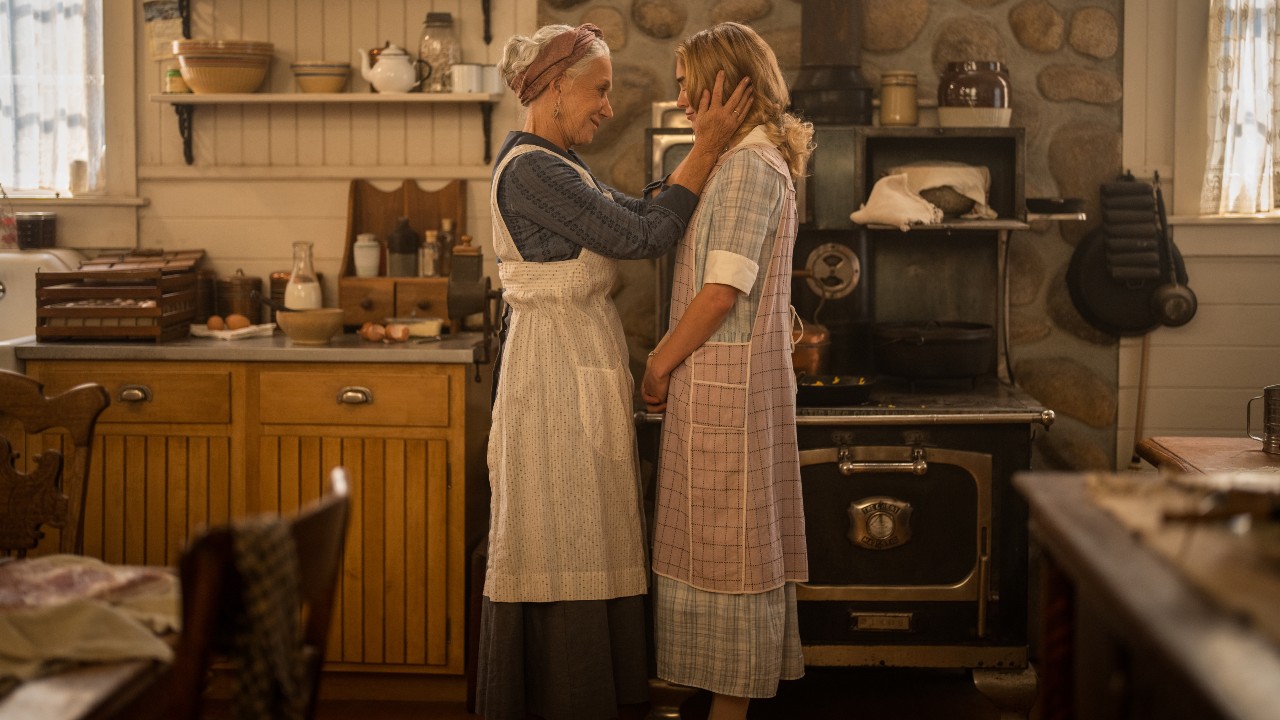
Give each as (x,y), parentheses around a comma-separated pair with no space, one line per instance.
(184,104)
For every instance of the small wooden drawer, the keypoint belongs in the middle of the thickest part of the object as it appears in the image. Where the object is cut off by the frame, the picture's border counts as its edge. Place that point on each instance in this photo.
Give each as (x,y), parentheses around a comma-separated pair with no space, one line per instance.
(366,300)
(147,395)
(385,398)
(423,297)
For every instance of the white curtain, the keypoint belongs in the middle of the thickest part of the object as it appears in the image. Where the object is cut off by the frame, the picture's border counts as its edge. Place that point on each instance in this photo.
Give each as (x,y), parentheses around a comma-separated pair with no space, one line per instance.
(51,100)
(1244,74)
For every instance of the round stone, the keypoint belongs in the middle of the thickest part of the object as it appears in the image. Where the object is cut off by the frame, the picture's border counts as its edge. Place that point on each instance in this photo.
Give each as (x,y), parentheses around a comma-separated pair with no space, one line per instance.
(659,18)
(1037,25)
(892,25)
(1094,32)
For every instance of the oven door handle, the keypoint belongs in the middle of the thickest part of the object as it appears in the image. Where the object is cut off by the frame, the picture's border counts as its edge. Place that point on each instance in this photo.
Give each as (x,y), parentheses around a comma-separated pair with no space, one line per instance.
(846,459)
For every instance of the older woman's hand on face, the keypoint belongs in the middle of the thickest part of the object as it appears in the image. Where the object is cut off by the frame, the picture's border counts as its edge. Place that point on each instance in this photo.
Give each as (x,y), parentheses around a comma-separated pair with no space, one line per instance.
(719,121)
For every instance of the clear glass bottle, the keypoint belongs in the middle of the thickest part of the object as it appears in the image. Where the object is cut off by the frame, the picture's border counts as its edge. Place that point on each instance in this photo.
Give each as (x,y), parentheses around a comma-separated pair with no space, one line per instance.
(439,49)
(429,260)
(303,289)
(447,240)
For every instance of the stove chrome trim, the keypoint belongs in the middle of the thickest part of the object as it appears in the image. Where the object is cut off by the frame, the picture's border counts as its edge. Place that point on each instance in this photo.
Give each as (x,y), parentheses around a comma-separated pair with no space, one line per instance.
(976,586)
(870,417)
(918,656)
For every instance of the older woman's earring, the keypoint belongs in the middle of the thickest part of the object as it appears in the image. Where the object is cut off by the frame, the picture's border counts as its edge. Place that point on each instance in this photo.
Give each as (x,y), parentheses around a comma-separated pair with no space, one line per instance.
(555,111)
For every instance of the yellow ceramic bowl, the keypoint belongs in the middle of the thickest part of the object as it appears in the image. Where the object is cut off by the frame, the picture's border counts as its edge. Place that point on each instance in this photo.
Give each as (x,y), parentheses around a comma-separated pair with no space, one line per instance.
(223,66)
(318,76)
(311,327)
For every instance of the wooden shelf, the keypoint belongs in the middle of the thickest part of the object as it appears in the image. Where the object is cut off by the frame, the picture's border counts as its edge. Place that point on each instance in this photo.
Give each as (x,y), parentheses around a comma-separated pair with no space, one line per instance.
(184,104)
(313,98)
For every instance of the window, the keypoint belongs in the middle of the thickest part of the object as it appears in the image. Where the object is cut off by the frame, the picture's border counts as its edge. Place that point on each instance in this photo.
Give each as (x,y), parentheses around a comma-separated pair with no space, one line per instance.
(1244,108)
(52,111)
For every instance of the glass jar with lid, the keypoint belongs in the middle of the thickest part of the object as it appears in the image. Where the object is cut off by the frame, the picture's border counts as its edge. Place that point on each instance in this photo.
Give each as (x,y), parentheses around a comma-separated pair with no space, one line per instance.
(440,50)
(898,98)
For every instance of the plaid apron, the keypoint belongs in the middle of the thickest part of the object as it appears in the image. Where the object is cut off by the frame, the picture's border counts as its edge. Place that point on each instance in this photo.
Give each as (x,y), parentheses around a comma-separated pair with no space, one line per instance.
(729,513)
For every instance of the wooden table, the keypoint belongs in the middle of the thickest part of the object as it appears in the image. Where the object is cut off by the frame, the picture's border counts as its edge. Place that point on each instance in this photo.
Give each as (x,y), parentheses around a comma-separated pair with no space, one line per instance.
(1125,635)
(91,692)
(1207,454)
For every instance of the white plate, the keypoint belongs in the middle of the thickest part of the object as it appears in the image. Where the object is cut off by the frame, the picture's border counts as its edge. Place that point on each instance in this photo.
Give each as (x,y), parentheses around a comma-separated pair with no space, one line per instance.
(246,332)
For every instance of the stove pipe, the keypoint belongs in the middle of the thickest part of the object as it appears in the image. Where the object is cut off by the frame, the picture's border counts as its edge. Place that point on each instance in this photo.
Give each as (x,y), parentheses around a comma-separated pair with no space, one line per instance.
(830,89)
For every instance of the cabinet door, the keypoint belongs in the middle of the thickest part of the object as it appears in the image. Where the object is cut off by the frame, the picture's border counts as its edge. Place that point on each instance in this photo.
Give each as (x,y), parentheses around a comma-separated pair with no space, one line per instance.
(162,467)
(392,604)
(400,585)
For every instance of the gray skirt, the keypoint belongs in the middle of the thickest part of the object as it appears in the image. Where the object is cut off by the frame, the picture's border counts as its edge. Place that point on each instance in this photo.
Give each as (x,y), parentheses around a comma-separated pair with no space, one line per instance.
(570,660)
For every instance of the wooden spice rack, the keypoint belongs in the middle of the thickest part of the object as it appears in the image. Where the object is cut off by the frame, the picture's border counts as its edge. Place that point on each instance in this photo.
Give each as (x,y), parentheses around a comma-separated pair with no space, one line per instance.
(370,210)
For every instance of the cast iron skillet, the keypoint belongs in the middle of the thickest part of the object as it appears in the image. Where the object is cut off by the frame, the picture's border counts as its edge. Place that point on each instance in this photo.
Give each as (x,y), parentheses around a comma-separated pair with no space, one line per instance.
(832,390)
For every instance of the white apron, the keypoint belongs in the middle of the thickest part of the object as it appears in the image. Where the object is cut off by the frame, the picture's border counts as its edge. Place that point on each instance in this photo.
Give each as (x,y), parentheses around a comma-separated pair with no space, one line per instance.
(565,514)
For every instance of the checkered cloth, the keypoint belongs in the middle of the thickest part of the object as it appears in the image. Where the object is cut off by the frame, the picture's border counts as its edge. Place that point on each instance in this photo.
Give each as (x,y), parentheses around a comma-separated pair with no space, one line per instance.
(271,681)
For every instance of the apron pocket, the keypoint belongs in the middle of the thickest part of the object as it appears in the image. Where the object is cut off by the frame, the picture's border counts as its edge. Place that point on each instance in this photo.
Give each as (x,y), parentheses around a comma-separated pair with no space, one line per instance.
(718,392)
(717,462)
(603,409)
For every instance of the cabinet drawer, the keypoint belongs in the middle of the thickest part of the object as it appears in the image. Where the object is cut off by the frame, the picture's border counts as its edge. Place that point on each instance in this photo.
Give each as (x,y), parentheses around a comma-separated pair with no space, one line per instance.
(422,297)
(386,398)
(147,395)
(366,299)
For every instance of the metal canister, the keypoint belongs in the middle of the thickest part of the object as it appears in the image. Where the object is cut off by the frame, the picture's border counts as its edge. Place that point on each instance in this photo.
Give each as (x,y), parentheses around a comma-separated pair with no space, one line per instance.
(235,296)
(811,350)
(1270,436)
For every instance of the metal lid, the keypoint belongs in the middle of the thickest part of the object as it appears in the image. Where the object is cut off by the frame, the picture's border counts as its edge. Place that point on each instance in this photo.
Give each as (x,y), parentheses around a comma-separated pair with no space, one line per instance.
(439,19)
(898,77)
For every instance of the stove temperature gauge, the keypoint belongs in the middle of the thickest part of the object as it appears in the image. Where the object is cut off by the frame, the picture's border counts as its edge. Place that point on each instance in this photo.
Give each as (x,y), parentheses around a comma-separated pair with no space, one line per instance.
(879,523)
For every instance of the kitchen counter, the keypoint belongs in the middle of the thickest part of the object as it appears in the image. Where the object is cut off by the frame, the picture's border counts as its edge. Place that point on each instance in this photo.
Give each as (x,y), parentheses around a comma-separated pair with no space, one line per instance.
(461,348)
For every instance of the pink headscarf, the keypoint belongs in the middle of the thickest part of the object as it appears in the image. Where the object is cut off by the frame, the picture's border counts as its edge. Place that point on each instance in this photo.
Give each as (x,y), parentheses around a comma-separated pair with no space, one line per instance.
(561,53)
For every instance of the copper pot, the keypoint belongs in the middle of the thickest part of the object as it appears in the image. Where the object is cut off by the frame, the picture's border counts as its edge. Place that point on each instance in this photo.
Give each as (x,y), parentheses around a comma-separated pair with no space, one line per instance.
(812,348)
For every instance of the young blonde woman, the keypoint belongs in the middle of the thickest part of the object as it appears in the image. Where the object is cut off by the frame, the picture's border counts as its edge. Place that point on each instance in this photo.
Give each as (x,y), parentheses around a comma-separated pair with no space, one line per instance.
(562,622)
(729,540)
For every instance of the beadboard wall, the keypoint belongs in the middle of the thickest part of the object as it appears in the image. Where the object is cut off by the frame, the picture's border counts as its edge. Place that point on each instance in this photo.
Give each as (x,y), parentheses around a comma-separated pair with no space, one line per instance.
(1200,376)
(265,176)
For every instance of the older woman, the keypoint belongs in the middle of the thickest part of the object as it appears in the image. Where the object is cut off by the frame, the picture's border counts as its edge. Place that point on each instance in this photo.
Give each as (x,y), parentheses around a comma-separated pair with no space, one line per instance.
(729,539)
(562,625)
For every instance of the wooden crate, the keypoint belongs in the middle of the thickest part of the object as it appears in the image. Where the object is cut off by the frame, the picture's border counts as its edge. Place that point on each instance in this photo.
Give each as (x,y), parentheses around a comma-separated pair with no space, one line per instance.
(115,304)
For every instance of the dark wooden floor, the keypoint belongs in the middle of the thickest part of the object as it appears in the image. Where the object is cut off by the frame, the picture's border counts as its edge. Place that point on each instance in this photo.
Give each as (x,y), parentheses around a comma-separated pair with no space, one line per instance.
(824,694)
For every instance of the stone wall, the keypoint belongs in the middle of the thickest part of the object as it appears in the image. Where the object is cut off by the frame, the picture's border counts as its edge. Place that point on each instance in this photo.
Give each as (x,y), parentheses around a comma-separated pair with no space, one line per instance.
(1064,65)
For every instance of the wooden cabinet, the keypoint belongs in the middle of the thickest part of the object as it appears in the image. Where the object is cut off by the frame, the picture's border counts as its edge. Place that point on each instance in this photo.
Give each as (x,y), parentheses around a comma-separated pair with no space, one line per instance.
(188,444)
(162,464)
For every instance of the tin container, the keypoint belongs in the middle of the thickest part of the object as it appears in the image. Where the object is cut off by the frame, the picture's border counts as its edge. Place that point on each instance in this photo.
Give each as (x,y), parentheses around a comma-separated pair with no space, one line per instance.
(36,230)
(235,296)
(1270,437)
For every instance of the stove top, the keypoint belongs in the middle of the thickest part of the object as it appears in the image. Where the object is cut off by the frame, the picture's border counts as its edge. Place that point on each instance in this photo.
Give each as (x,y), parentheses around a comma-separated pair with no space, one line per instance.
(895,401)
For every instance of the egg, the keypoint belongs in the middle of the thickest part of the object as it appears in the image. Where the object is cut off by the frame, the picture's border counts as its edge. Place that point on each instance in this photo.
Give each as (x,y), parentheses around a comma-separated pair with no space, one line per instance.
(215,322)
(236,321)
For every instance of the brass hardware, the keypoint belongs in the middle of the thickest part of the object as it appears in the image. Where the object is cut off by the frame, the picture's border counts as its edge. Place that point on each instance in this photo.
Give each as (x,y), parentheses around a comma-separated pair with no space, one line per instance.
(355,395)
(880,523)
(977,466)
(880,622)
(135,393)
(366,304)
(921,656)
(859,459)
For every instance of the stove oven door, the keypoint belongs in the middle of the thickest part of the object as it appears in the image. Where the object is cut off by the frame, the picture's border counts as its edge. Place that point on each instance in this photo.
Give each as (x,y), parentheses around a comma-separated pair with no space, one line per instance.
(899,541)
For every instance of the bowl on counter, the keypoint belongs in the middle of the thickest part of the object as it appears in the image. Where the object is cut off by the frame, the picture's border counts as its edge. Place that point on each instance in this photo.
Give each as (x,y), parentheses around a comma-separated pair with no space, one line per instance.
(223,66)
(320,76)
(311,327)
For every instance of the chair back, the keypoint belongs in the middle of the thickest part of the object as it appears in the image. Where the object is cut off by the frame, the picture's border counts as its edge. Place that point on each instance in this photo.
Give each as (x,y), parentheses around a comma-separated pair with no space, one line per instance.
(53,493)
(211,595)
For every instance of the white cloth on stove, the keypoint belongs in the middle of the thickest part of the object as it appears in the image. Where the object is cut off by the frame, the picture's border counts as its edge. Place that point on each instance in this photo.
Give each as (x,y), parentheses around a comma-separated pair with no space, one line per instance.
(893,202)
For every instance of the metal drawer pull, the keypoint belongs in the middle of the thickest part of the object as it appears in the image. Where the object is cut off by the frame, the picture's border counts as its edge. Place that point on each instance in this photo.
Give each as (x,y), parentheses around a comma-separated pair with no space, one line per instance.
(843,458)
(135,393)
(355,395)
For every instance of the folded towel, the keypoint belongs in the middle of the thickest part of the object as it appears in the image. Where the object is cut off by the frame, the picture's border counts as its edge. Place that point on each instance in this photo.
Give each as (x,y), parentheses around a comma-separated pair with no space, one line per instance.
(1129,244)
(1118,215)
(893,202)
(1130,202)
(1127,187)
(1135,230)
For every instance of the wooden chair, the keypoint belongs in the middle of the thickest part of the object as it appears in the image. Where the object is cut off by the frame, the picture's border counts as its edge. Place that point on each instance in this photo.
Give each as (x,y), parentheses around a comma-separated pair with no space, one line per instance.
(211,595)
(53,493)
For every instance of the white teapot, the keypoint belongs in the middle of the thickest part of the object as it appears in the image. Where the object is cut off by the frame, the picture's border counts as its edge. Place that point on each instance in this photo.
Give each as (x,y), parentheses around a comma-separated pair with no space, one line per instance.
(394,72)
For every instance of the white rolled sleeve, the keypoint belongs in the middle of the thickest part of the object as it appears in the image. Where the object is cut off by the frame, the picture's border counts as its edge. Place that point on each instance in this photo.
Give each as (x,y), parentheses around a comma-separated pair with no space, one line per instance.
(729,268)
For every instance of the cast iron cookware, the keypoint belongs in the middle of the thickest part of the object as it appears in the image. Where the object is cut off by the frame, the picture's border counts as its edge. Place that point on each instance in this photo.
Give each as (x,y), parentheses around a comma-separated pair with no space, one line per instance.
(934,349)
(814,390)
